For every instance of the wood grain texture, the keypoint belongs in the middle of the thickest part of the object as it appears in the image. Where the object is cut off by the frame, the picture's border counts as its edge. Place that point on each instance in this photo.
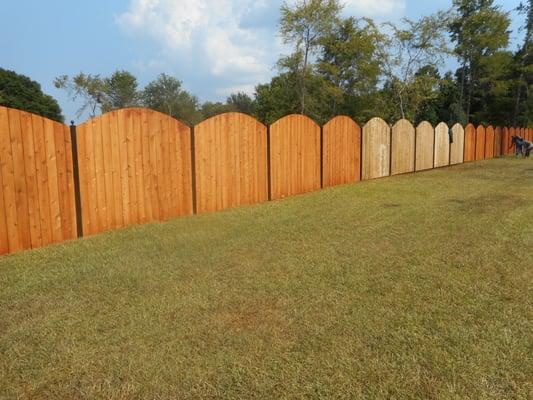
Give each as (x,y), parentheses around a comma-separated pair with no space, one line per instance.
(458,144)
(498,138)
(403,143)
(376,149)
(489,142)
(294,156)
(511,147)
(480,142)
(506,140)
(341,148)
(425,146)
(231,162)
(135,167)
(37,199)
(470,143)
(442,145)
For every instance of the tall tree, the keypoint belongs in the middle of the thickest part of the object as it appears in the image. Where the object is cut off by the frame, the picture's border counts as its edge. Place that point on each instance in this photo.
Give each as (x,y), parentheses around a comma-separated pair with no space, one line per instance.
(87,88)
(20,92)
(120,91)
(242,102)
(304,25)
(350,62)
(479,29)
(408,49)
(165,94)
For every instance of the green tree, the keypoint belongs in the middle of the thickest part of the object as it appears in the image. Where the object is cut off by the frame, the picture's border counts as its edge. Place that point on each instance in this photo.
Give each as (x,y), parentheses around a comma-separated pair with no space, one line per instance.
(408,49)
(479,29)
(120,91)
(165,94)
(241,102)
(20,92)
(89,89)
(210,109)
(350,63)
(304,25)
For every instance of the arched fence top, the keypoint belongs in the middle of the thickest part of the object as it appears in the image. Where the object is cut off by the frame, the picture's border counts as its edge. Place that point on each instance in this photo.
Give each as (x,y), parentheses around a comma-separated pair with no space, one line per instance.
(442,125)
(424,125)
(342,118)
(377,121)
(141,110)
(34,117)
(403,124)
(235,115)
(295,118)
(458,126)
(480,128)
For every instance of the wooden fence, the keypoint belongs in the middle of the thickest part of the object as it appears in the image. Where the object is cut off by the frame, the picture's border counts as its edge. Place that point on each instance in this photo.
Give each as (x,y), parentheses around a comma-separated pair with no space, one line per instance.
(136,165)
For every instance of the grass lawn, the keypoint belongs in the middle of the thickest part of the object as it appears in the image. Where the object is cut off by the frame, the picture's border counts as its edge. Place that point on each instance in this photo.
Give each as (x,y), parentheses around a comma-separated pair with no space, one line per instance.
(418,286)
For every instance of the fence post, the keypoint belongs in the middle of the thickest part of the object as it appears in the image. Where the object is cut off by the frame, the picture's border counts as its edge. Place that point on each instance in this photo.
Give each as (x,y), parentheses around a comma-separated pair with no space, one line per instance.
(76,176)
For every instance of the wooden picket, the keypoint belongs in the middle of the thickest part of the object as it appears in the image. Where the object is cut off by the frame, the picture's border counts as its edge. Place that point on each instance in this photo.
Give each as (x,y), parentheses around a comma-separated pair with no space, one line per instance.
(37,199)
(489,142)
(498,137)
(442,145)
(402,147)
(458,144)
(135,167)
(470,143)
(376,149)
(294,156)
(425,146)
(341,152)
(231,162)
(480,143)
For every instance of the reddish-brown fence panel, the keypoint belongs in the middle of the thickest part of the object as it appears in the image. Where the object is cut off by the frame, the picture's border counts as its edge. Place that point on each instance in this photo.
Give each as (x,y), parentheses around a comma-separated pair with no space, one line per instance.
(231,162)
(458,144)
(294,156)
(37,196)
(498,141)
(425,145)
(510,146)
(135,167)
(506,140)
(442,145)
(341,151)
(480,143)
(376,149)
(489,142)
(402,147)
(470,143)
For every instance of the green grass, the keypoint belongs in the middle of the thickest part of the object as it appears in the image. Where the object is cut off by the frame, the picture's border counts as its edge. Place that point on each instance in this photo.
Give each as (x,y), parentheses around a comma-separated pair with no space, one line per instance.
(418,286)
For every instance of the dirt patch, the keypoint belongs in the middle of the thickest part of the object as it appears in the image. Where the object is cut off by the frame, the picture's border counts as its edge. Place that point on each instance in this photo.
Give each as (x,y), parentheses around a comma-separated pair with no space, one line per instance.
(391,205)
(489,203)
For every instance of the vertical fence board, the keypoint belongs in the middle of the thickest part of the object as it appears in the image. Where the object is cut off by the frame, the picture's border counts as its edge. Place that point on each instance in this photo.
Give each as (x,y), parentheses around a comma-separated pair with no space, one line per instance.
(498,141)
(489,142)
(403,147)
(31,179)
(42,179)
(442,145)
(8,183)
(294,156)
(480,142)
(341,157)
(231,162)
(376,149)
(21,191)
(470,143)
(458,144)
(114,138)
(108,172)
(425,146)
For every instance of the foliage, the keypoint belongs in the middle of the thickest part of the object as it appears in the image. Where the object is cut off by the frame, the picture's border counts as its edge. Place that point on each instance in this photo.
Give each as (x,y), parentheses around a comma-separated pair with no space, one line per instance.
(241,102)
(166,95)
(20,92)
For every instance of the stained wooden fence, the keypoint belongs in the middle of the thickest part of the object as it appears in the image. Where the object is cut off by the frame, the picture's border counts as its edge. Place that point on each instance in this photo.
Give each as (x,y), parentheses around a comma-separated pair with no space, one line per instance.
(341,152)
(376,149)
(135,165)
(231,162)
(294,156)
(425,145)
(37,199)
(442,145)
(403,147)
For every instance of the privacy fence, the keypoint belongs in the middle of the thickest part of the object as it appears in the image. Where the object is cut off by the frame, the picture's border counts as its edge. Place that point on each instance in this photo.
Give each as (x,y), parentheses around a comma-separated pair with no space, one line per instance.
(134,166)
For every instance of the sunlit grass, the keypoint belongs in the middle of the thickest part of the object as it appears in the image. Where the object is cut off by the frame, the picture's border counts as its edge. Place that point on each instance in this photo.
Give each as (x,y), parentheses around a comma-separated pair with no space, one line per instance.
(416,286)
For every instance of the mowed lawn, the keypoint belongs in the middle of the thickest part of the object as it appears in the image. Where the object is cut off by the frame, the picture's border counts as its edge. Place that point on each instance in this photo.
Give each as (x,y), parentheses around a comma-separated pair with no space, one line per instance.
(417,286)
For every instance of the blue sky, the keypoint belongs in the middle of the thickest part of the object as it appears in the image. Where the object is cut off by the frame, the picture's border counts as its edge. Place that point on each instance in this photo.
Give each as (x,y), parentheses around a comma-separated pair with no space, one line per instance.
(215,47)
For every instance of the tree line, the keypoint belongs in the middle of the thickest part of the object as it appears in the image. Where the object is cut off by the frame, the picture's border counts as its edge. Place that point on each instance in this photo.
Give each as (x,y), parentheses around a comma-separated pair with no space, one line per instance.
(353,66)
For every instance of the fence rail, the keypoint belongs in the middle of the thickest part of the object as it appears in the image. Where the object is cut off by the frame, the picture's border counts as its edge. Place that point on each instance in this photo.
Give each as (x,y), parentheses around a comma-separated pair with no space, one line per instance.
(136,165)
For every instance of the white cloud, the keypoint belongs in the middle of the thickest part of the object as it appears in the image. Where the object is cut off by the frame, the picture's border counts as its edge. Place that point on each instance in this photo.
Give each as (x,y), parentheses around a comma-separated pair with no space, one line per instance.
(226,91)
(375,8)
(211,27)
